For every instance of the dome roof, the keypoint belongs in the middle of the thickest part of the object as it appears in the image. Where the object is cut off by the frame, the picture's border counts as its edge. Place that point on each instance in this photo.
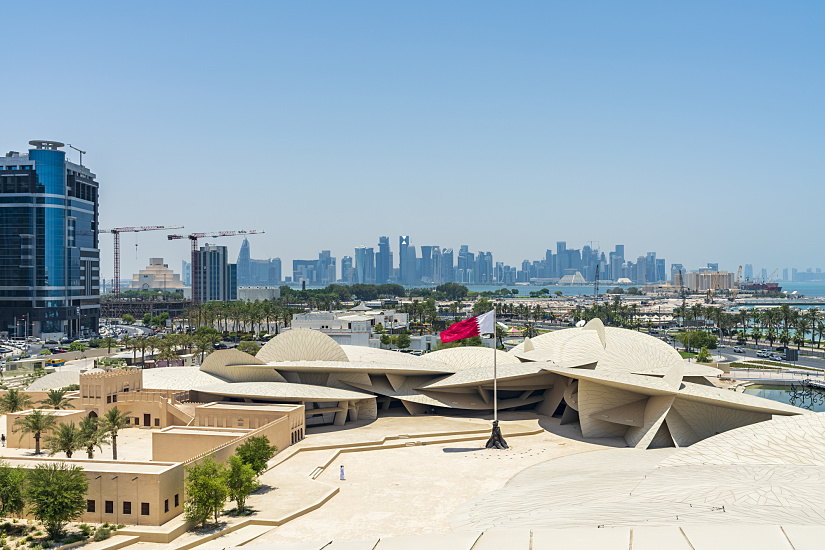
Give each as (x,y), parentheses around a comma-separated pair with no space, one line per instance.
(621,349)
(301,344)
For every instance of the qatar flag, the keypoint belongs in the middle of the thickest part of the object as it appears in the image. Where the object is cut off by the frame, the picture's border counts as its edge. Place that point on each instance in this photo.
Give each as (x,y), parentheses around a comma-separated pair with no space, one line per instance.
(474,326)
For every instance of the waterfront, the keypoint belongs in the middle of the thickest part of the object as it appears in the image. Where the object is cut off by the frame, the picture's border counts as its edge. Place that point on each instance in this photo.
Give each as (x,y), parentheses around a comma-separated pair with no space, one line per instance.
(807,398)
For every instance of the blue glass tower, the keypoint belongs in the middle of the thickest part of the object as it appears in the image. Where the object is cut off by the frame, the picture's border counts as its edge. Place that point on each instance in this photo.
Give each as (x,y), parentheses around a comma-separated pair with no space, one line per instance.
(49,257)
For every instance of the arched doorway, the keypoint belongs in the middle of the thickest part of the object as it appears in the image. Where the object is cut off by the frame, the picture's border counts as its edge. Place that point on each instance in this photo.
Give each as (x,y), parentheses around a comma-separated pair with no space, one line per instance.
(93,414)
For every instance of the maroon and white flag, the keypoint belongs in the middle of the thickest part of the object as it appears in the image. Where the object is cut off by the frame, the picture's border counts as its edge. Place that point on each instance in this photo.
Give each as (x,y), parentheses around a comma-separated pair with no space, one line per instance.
(474,326)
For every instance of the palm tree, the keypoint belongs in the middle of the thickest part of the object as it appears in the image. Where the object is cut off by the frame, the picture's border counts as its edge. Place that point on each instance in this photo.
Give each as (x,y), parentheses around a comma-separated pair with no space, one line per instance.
(820,331)
(786,314)
(785,337)
(36,424)
(802,328)
(113,421)
(92,435)
(14,401)
(743,318)
(109,342)
(756,334)
(770,336)
(813,318)
(57,400)
(66,439)
(142,344)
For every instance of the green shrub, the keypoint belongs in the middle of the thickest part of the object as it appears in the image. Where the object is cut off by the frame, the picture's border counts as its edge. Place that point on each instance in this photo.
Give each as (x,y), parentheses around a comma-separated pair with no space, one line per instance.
(86,530)
(102,534)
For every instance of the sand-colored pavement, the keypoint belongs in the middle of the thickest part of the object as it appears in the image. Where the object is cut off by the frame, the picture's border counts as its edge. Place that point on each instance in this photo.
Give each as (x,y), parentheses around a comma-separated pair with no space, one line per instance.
(409,490)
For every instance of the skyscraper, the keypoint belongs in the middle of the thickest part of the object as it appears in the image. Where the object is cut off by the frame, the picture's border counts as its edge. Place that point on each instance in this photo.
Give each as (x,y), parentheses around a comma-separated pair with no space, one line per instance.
(217,278)
(427,263)
(347,272)
(403,266)
(360,265)
(412,263)
(383,263)
(49,256)
(325,268)
(447,266)
(244,265)
(275,271)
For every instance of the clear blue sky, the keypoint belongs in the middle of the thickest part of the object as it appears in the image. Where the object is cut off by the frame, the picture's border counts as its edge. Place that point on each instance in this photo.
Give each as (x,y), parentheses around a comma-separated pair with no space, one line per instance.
(694,129)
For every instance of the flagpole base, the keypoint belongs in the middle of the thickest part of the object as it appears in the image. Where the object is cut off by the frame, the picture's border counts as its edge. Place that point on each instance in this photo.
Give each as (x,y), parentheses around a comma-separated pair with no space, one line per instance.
(496,440)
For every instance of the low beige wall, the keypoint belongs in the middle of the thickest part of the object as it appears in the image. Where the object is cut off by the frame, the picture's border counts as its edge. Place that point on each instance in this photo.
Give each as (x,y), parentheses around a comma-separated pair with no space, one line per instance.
(179,444)
(22,440)
(277,432)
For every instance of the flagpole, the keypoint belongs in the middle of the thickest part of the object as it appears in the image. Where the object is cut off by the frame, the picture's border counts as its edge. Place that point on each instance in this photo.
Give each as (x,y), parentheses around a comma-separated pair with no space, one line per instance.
(495,370)
(496,440)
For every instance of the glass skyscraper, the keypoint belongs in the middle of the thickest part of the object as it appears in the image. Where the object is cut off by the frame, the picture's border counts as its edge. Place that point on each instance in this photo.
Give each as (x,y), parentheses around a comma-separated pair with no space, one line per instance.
(49,256)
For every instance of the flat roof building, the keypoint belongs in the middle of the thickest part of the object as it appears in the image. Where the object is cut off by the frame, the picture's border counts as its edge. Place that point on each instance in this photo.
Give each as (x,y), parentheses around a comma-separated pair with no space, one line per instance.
(49,256)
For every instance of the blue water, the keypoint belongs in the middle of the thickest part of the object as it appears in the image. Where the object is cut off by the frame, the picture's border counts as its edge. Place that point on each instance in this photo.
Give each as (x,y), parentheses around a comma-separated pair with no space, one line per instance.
(811,399)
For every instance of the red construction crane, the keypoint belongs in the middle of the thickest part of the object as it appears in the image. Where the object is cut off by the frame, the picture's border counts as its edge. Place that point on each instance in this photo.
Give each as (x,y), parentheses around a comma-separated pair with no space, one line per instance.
(193,238)
(117,231)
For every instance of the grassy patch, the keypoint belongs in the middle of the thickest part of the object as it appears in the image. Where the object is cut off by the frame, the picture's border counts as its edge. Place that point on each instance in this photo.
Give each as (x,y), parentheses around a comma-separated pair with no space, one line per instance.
(687,354)
(754,366)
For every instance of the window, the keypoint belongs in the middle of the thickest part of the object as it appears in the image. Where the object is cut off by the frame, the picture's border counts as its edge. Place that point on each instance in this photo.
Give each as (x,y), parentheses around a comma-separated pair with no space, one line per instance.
(109,507)
(90,506)
(108,399)
(177,502)
(166,505)
(137,421)
(144,508)
(127,507)
(157,421)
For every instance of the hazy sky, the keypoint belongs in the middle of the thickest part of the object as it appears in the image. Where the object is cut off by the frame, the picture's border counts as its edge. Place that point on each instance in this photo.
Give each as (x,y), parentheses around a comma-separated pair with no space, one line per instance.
(694,129)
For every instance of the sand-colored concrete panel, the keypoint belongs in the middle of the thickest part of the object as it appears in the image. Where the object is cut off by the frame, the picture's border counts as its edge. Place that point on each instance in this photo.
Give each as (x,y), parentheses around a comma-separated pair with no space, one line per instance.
(659,538)
(655,412)
(595,397)
(448,541)
(805,537)
(497,539)
(632,414)
(284,546)
(360,544)
(755,537)
(616,538)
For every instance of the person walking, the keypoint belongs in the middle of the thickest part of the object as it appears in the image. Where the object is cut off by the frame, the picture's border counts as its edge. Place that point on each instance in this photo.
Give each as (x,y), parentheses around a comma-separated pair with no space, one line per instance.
(342,473)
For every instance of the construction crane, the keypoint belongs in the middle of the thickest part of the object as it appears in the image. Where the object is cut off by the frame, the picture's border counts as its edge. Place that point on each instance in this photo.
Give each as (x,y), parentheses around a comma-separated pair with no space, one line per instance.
(193,238)
(772,276)
(735,290)
(117,231)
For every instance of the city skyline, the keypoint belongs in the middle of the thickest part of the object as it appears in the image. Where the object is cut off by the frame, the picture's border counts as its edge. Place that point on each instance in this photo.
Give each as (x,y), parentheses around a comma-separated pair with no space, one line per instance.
(679,127)
(435,265)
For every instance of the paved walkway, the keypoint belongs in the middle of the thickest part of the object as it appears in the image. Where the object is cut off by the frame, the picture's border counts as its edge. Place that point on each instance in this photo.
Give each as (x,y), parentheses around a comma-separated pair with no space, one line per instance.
(414,490)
